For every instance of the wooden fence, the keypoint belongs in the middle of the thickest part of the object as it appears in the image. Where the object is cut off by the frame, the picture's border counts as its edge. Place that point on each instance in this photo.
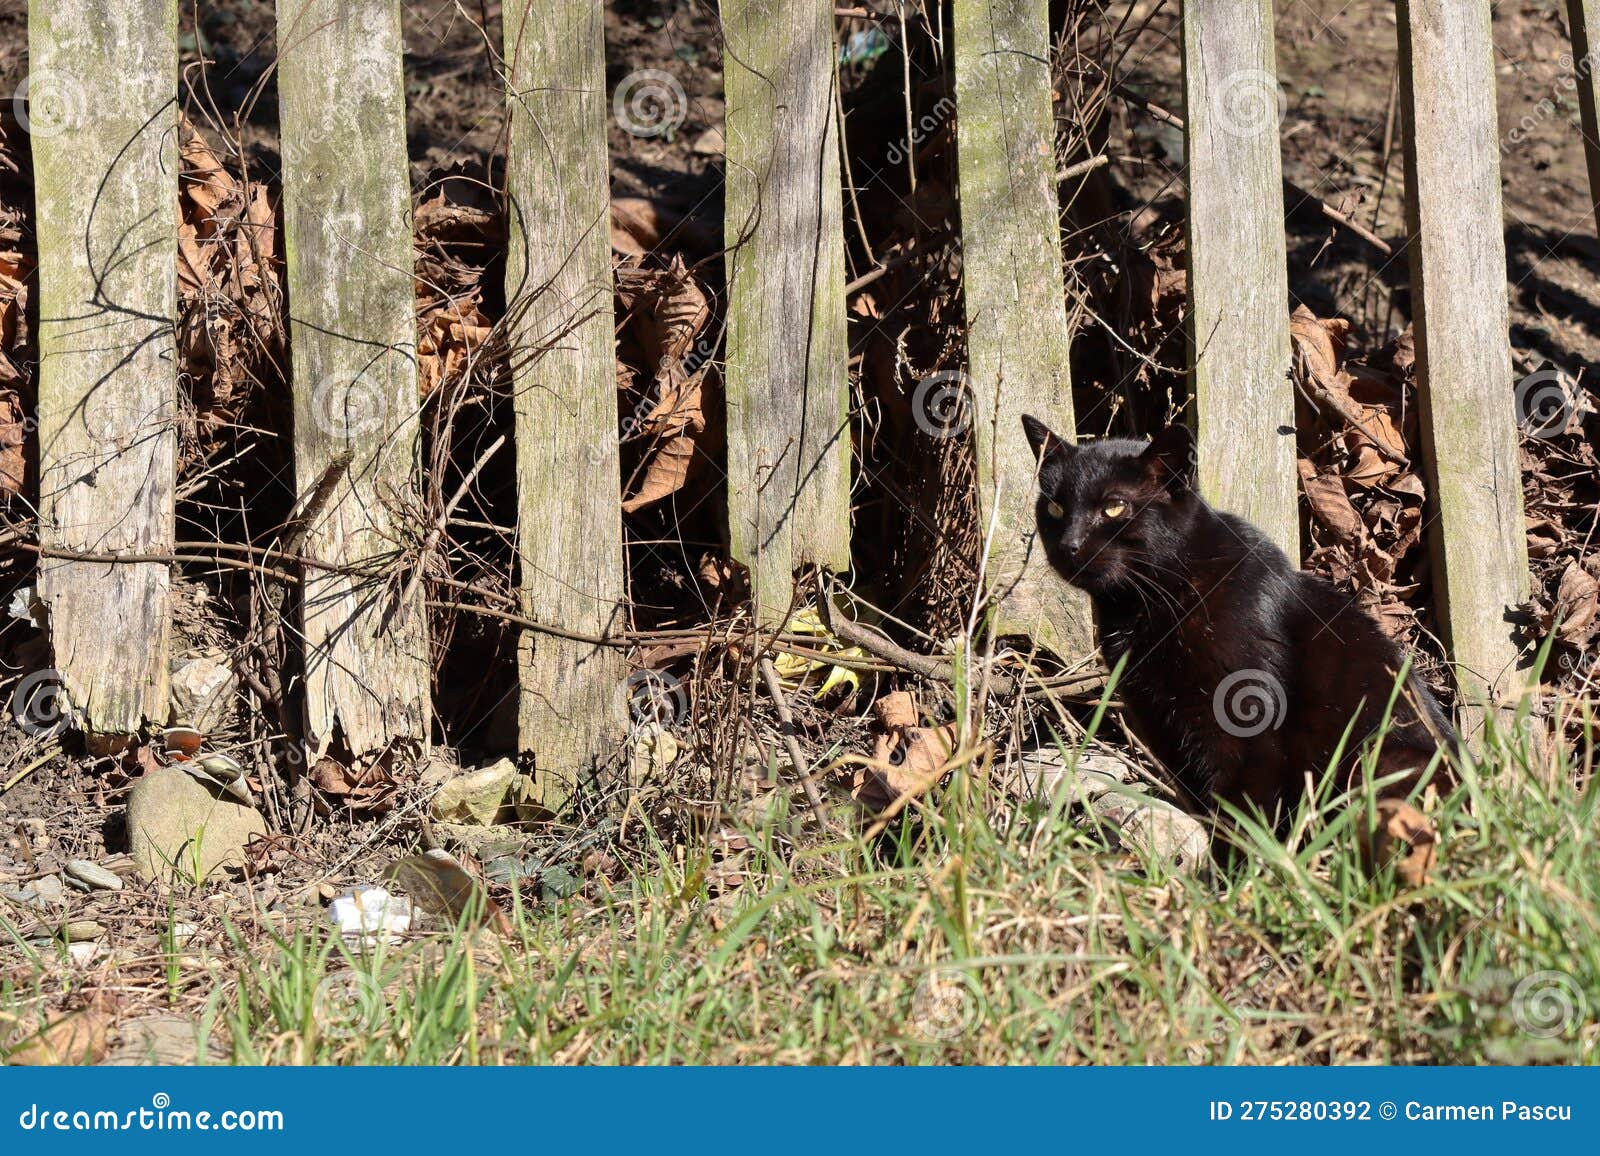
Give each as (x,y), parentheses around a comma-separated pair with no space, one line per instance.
(108,372)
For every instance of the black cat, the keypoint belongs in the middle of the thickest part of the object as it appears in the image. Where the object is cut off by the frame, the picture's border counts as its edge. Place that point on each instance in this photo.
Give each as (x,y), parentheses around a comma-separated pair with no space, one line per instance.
(1243,674)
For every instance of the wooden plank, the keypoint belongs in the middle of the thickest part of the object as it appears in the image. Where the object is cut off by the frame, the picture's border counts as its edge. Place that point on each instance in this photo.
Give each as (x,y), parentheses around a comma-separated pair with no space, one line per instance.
(1464,373)
(347,232)
(1238,267)
(1018,343)
(104,119)
(1583,19)
(569,535)
(787,377)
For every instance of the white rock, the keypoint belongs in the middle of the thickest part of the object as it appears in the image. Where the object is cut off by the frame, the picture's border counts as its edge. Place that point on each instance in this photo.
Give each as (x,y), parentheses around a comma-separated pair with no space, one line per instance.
(367,913)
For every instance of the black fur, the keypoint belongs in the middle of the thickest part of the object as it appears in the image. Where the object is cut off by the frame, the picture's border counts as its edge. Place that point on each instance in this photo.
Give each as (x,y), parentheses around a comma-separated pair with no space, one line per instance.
(1195,598)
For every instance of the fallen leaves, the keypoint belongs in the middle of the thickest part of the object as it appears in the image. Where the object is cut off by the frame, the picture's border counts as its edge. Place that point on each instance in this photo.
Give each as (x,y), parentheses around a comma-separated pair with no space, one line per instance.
(908,759)
(230,294)
(452,330)
(16,268)
(663,312)
(1364,493)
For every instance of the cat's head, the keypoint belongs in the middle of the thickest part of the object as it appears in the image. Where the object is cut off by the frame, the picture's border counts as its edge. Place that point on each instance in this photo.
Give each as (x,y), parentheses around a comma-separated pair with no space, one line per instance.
(1110,511)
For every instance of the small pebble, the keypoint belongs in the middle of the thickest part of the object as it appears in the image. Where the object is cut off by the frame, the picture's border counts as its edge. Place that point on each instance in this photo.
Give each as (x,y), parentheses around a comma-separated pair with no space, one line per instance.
(182,933)
(81,930)
(84,953)
(48,889)
(93,875)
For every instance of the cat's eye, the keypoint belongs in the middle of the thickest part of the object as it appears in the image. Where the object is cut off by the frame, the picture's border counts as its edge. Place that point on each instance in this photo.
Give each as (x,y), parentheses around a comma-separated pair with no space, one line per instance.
(1054,510)
(1114,509)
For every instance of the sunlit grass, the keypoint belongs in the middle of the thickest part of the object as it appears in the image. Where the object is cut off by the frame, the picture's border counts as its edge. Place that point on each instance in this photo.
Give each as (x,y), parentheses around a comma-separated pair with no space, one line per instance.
(990,931)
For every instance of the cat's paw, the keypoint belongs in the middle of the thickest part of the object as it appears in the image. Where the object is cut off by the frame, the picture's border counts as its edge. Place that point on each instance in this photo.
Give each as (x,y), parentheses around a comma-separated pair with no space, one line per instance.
(1404,838)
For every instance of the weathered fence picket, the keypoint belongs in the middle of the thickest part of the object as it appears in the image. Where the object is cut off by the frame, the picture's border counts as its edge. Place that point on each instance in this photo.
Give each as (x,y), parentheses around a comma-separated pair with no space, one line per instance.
(1238,266)
(102,95)
(1458,279)
(347,232)
(104,130)
(1018,342)
(558,275)
(787,381)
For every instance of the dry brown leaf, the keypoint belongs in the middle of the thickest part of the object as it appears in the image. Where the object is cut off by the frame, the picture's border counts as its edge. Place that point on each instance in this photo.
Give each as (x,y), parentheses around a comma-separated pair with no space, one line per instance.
(1404,838)
(665,474)
(896,710)
(441,885)
(13,440)
(77,1037)
(1321,341)
(1330,505)
(1577,605)
(367,789)
(907,759)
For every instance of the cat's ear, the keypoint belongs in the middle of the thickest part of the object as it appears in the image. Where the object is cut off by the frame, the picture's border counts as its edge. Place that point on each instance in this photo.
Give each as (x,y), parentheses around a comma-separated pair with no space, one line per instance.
(1170,458)
(1040,437)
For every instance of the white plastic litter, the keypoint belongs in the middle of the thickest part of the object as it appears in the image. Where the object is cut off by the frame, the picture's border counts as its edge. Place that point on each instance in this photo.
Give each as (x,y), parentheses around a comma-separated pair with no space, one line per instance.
(368,912)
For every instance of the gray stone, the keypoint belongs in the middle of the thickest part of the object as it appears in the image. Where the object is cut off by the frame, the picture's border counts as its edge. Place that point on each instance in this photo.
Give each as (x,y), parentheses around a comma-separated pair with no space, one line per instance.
(164,1040)
(47,889)
(1108,790)
(93,875)
(179,829)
